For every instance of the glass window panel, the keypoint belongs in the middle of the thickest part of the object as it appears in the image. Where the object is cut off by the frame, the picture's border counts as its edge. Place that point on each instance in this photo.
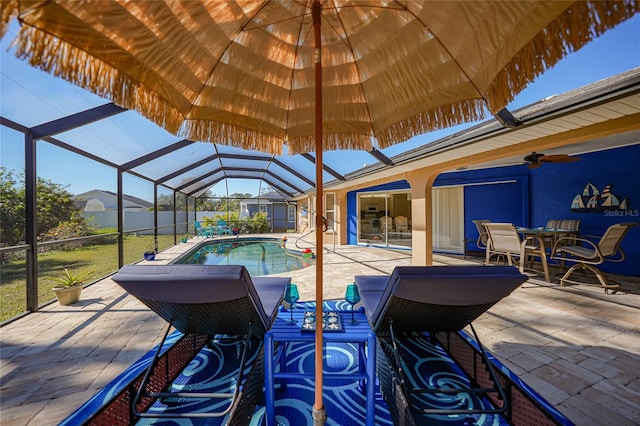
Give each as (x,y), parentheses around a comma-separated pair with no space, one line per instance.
(326,176)
(299,164)
(244,163)
(357,160)
(241,174)
(11,149)
(85,175)
(166,225)
(13,291)
(120,138)
(30,96)
(227,149)
(178,160)
(138,204)
(12,201)
(290,178)
(277,185)
(237,186)
(198,187)
(193,174)
(182,219)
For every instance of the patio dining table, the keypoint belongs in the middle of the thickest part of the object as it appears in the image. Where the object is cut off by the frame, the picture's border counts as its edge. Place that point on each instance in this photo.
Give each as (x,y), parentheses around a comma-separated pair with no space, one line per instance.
(541,230)
(546,238)
(549,234)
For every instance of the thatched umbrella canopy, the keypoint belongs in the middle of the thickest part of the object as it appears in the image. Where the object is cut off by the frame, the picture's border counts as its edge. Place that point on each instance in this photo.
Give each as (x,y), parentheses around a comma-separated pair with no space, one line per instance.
(259,74)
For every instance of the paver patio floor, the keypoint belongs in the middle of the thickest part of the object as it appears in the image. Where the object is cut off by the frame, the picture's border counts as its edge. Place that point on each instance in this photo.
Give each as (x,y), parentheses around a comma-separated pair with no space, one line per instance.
(576,346)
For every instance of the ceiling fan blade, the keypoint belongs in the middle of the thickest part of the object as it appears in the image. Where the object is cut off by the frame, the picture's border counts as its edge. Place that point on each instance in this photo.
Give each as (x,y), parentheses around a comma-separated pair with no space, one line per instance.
(534,165)
(569,160)
(558,158)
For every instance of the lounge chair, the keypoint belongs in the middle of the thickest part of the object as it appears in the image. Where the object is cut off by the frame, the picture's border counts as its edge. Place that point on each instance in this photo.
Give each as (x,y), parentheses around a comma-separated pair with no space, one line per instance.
(433,299)
(587,254)
(210,300)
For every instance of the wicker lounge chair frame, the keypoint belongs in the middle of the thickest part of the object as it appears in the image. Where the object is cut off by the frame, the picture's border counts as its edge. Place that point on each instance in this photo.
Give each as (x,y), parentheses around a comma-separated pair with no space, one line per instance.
(212,300)
(424,299)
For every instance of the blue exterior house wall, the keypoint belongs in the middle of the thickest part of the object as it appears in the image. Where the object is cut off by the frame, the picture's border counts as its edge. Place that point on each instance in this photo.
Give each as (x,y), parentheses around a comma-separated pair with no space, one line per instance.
(619,168)
(530,197)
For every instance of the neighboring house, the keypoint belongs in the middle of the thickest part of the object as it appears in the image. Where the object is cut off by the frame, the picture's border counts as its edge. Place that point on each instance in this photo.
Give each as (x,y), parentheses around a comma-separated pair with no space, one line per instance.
(281,214)
(101,200)
(101,208)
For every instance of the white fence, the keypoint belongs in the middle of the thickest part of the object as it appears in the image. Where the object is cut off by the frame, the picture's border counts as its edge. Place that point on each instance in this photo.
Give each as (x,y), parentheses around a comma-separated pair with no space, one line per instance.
(144,219)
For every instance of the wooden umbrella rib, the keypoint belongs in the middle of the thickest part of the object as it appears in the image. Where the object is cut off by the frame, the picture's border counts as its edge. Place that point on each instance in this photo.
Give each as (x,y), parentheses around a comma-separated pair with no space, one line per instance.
(193,130)
(347,42)
(298,46)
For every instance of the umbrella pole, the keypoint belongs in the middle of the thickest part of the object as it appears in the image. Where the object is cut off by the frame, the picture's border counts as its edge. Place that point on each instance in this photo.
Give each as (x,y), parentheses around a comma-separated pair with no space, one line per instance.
(319,413)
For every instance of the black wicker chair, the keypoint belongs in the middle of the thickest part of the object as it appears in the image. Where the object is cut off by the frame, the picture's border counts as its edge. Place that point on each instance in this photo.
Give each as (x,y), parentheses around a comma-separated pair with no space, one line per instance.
(415,300)
(210,300)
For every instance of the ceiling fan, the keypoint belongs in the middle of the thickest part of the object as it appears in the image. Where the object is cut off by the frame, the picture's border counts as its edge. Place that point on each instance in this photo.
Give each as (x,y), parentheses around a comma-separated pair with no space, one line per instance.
(536,159)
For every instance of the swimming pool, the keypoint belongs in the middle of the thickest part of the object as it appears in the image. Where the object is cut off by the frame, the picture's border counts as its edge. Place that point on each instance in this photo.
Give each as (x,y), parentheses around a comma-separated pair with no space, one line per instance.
(259,256)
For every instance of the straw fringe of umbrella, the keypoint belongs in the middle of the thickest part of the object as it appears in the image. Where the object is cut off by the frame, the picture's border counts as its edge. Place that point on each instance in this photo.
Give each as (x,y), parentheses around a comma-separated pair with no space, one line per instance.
(583,22)
(570,31)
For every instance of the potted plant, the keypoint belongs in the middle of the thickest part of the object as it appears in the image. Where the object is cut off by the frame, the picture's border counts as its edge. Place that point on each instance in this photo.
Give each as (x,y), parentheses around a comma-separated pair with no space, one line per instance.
(69,287)
(150,250)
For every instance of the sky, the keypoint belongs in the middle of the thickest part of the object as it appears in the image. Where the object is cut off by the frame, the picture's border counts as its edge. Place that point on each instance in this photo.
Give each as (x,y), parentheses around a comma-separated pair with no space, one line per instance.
(616,51)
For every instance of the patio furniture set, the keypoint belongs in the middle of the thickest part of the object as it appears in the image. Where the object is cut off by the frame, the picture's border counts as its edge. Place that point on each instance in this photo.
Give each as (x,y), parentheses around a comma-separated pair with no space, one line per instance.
(211,231)
(435,303)
(558,241)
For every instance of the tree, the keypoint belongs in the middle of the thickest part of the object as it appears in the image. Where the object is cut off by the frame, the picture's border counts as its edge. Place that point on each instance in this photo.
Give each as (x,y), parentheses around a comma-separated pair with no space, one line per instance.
(219,203)
(54,205)
(12,208)
(165,203)
(204,202)
(265,189)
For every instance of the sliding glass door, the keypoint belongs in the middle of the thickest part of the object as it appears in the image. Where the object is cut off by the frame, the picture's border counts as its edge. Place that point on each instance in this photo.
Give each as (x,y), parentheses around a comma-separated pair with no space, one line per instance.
(448,219)
(385,218)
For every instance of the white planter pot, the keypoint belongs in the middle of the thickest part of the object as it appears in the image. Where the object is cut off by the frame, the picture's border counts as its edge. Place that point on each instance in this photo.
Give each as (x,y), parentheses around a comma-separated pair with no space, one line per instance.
(68,295)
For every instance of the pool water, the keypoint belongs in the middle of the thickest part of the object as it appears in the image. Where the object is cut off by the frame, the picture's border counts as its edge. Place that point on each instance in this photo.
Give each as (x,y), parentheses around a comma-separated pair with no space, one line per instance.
(260,257)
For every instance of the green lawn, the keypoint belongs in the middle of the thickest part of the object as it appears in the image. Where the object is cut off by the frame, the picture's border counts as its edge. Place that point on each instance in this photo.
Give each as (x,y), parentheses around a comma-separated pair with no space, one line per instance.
(95,261)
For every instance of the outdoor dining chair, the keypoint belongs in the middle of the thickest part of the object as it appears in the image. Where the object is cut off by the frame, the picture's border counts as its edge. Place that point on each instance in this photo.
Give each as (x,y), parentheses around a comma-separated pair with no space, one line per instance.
(504,240)
(483,237)
(587,254)
(566,224)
